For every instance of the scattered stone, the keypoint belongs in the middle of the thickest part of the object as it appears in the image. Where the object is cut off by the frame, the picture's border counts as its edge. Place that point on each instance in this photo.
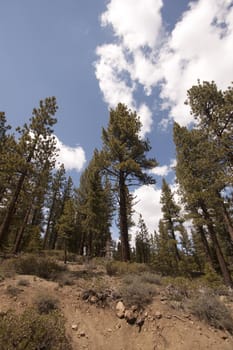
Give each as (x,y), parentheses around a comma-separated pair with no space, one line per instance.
(146,314)
(224,337)
(93,299)
(120,309)
(109,330)
(139,322)
(163,298)
(158,315)
(74,327)
(134,308)
(130,316)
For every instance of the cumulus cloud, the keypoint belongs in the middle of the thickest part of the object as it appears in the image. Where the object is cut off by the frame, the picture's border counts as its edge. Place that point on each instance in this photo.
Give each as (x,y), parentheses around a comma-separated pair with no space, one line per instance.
(199,47)
(164,170)
(136,23)
(73,158)
(122,66)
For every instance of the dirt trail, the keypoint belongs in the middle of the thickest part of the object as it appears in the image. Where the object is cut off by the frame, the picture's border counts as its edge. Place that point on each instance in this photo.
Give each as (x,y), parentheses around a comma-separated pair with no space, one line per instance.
(98,328)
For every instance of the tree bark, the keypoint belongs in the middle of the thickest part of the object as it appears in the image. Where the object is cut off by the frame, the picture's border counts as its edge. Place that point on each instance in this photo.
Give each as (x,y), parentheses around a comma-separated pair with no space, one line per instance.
(21,232)
(222,263)
(125,250)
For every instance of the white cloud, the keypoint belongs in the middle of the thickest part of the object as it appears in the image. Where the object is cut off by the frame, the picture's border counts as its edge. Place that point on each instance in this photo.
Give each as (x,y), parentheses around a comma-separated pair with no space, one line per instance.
(73,158)
(121,67)
(199,47)
(148,205)
(136,23)
(147,199)
(164,170)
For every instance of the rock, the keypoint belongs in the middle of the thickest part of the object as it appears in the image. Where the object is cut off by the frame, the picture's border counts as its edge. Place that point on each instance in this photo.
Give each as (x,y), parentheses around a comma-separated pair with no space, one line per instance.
(130,316)
(140,321)
(93,299)
(82,334)
(74,327)
(120,309)
(163,298)
(158,315)
(134,308)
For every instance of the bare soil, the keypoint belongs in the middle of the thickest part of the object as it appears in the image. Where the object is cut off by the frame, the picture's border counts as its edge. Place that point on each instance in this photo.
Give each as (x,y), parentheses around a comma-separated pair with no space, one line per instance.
(97,327)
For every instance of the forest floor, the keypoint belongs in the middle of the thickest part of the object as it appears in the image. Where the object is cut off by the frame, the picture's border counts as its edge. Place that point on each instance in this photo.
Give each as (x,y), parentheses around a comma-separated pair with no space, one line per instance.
(90,316)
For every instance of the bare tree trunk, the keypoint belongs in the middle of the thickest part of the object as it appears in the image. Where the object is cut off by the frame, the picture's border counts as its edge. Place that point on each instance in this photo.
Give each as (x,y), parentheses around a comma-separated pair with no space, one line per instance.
(125,250)
(222,263)
(21,231)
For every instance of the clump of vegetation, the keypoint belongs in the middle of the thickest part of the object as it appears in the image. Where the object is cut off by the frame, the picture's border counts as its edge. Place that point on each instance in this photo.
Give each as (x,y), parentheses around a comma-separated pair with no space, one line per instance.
(122,268)
(13,291)
(207,307)
(137,292)
(46,303)
(31,330)
(42,267)
(152,278)
(23,282)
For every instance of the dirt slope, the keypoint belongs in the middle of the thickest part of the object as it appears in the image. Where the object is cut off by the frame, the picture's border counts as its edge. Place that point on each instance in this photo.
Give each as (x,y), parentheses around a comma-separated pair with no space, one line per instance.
(97,328)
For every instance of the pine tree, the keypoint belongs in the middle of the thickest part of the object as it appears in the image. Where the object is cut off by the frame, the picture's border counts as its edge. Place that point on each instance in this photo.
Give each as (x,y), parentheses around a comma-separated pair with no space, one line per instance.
(35,140)
(142,242)
(201,179)
(124,159)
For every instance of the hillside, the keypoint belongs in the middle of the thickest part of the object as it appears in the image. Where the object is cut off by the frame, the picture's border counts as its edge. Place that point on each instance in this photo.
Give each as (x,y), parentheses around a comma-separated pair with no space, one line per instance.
(159,313)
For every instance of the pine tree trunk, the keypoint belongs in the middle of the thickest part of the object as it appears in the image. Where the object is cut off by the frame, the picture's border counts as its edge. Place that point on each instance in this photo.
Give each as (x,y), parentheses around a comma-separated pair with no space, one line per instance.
(227,222)
(10,211)
(206,246)
(222,263)
(11,208)
(174,237)
(21,232)
(125,251)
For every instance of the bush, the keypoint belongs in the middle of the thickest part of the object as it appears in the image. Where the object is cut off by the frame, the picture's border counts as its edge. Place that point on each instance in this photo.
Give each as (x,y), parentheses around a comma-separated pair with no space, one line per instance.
(31,331)
(209,309)
(121,268)
(24,283)
(13,291)
(46,303)
(39,266)
(152,278)
(136,292)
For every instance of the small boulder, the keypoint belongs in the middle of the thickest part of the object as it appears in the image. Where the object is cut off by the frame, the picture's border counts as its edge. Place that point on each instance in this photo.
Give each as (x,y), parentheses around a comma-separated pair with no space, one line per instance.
(120,309)
(74,327)
(130,316)
(158,315)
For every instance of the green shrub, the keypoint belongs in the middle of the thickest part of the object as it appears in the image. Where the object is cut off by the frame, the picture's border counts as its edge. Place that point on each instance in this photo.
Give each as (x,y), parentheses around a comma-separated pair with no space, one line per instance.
(23,282)
(121,268)
(46,303)
(136,292)
(152,278)
(13,291)
(32,331)
(208,308)
(39,266)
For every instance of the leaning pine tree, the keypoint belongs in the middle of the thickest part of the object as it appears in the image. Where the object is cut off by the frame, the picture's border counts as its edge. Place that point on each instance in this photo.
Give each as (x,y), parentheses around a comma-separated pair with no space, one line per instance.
(124,159)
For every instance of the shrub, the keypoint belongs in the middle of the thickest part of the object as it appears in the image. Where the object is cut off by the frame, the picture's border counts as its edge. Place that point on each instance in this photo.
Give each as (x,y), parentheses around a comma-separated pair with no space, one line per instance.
(209,309)
(46,303)
(136,292)
(22,282)
(121,268)
(152,278)
(40,266)
(31,331)
(13,291)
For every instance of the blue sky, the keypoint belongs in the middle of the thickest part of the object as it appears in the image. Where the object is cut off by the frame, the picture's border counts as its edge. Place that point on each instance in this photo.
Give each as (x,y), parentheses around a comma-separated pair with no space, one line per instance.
(94,54)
